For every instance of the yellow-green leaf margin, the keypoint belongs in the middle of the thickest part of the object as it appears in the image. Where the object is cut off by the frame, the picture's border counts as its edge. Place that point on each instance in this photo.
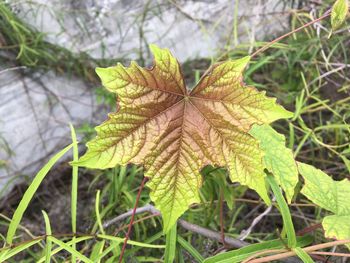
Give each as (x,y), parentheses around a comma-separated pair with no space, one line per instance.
(278,159)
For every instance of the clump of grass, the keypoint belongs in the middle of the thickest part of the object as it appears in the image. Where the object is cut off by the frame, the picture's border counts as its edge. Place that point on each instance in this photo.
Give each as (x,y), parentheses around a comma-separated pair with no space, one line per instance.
(22,45)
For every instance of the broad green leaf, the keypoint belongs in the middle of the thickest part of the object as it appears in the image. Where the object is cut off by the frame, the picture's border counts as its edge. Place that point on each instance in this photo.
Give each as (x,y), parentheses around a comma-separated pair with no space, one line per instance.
(174,132)
(278,158)
(339,12)
(331,195)
(337,226)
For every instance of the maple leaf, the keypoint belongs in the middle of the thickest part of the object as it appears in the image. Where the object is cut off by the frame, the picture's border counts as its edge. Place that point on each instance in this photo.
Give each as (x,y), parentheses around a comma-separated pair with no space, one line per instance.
(174,132)
(331,195)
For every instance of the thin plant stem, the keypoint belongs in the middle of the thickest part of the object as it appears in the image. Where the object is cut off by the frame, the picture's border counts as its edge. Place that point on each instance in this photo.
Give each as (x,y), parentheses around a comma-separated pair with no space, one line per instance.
(306,249)
(309,229)
(268,45)
(264,252)
(231,242)
(222,232)
(132,219)
(334,254)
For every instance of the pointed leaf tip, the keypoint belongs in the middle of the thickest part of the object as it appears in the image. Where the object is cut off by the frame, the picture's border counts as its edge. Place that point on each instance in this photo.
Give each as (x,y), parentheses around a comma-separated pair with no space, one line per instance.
(101,72)
(108,77)
(158,52)
(154,48)
(241,63)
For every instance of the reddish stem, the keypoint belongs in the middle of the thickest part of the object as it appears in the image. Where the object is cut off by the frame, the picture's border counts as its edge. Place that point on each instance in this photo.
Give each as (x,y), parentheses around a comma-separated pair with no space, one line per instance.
(132,219)
(309,229)
(268,45)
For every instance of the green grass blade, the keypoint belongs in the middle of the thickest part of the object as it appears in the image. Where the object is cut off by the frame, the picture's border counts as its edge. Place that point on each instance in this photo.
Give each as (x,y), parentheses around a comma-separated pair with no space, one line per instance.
(13,252)
(130,242)
(257,65)
(115,253)
(69,249)
(147,259)
(147,241)
(112,248)
(305,257)
(97,211)
(3,253)
(48,233)
(69,243)
(283,207)
(239,255)
(74,193)
(190,249)
(28,195)
(170,245)
(97,250)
